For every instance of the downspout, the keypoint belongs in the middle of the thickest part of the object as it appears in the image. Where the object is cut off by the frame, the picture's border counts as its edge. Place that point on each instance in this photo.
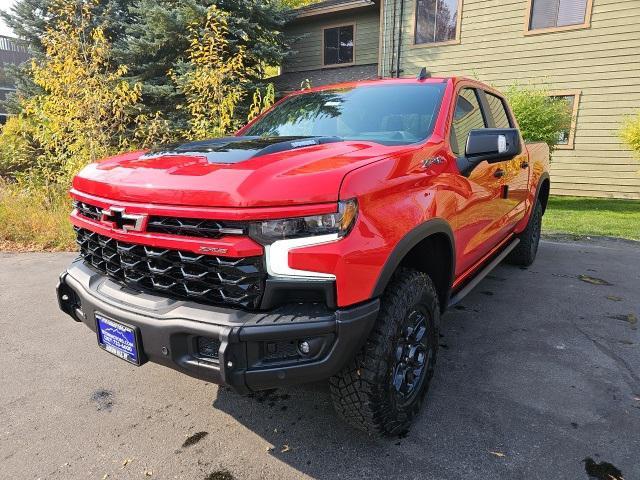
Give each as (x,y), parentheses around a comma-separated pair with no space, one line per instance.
(393,37)
(399,38)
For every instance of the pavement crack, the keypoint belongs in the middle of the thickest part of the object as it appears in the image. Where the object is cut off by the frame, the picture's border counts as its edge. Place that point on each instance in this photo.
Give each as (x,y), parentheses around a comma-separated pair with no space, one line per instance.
(634,381)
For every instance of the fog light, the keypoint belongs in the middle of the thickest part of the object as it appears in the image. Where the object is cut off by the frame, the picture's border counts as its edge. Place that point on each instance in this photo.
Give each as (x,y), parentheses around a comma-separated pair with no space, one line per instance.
(304,347)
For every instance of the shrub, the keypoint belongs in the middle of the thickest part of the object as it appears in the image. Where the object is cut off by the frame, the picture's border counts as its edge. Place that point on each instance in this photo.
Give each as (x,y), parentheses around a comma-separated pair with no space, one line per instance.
(34,220)
(631,133)
(541,117)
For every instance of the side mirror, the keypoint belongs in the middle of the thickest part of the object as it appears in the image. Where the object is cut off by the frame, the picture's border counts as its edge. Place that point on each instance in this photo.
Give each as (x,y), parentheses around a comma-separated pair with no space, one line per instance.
(493,145)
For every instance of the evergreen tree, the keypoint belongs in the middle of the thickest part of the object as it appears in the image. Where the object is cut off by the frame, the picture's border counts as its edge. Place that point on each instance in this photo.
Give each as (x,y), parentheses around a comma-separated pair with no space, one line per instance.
(157,37)
(151,38)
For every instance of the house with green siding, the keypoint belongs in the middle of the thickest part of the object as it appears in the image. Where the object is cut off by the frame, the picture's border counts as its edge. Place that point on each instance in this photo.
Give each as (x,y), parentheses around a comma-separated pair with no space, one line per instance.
(584,51)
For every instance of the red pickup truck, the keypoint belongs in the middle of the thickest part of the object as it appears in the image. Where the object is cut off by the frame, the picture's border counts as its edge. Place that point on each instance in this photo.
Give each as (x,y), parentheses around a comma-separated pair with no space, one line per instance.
(324,241)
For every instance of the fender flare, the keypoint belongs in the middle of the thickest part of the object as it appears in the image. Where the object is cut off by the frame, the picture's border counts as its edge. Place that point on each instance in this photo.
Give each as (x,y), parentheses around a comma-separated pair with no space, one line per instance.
(404,246)
(544,176)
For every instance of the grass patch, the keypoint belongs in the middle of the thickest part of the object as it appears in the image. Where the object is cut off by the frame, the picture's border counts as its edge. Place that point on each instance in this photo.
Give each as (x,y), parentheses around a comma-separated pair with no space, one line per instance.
(593,216)
(31,222)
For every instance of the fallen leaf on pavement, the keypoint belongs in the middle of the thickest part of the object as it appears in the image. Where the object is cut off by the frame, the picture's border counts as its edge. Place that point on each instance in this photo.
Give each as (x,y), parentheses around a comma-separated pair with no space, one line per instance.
(630,318)
(614,298)
(593,280)
(126,462)
(497,454)
(285,448)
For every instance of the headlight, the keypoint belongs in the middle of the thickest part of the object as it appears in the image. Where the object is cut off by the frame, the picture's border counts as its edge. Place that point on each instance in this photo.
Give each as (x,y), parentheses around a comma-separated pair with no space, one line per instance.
(340,223)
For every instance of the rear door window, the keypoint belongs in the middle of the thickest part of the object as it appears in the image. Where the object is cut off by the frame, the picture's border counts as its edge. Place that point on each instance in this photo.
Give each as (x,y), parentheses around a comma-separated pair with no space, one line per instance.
(467,116)
(498,111)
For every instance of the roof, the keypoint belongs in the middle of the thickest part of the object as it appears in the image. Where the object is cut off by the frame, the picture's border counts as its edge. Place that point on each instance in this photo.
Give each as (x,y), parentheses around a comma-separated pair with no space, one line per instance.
(330,6)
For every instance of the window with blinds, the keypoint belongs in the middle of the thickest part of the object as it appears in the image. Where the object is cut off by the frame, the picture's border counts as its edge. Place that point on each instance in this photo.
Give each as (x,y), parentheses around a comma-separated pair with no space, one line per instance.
(557,13)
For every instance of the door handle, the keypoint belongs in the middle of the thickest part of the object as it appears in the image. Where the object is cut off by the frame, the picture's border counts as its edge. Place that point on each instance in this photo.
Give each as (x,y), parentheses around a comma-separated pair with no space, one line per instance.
(524,164)
(498,173)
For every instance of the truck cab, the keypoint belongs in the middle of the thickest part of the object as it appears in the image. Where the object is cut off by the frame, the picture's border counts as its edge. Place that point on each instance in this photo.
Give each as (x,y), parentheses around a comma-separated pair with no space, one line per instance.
(323,241)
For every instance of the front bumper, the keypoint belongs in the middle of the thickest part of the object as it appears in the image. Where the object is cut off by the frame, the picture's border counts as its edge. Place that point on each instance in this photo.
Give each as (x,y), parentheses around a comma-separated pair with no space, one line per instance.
(247,351)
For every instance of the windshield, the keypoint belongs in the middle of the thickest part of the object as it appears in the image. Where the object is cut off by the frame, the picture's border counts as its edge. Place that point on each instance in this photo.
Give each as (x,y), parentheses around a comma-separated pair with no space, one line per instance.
(387,114)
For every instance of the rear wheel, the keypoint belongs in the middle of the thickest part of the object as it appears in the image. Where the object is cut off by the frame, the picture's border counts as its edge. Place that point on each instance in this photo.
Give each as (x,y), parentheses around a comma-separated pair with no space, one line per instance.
(382,389)
(525,253)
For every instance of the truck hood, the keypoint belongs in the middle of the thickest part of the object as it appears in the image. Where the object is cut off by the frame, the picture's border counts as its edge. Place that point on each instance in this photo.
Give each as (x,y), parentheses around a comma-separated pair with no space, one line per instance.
(232,172)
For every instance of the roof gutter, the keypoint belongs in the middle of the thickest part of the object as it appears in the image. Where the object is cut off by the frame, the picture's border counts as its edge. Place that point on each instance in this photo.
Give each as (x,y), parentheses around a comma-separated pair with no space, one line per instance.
(321,9)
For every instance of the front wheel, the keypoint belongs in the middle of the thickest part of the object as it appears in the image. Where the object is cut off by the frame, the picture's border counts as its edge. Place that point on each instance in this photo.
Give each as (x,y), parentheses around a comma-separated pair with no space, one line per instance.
(381,390)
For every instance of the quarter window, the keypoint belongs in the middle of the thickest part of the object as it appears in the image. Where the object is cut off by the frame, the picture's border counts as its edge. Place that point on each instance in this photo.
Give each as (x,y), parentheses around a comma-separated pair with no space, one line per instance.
(338,45)
(498,111)
(437,21)
(467,116)
(558,13)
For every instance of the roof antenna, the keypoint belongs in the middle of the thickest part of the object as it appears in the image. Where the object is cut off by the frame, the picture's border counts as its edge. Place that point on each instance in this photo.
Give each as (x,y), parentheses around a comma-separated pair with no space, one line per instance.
(424,74)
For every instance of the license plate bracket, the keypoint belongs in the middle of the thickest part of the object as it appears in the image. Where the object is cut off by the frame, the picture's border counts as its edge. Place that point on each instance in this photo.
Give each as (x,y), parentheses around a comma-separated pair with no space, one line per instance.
(119,339)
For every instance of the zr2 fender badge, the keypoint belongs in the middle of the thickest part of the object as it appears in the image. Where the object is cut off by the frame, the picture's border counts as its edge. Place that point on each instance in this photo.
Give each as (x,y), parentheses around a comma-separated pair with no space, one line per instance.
(216,250)
(430,162)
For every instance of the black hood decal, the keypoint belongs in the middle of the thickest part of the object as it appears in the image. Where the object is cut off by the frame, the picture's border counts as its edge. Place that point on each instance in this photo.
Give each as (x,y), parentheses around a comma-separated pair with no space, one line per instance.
(239,149)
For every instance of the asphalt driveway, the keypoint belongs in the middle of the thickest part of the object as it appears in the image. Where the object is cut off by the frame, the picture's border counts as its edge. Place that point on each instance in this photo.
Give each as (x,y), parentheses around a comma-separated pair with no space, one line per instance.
(538,378)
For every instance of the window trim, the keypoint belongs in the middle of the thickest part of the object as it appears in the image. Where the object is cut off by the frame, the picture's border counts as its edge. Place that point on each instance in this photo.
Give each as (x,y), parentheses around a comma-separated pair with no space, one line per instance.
(484,93)
(564,28)
(570,145)
(455,41)
(336,65)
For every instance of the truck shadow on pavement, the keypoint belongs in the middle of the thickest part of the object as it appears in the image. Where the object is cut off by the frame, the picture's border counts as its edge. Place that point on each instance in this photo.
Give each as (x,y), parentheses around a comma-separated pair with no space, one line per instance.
(534,380)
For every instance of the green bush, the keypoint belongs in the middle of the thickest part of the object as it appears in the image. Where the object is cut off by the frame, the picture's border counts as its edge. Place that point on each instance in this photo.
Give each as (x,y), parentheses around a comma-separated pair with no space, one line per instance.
(541,117)
(631,133)
(34,220)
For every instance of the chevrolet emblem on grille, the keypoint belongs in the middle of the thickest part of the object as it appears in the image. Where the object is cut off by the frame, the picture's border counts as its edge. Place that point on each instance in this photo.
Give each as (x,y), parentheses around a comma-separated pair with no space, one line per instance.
(116,218)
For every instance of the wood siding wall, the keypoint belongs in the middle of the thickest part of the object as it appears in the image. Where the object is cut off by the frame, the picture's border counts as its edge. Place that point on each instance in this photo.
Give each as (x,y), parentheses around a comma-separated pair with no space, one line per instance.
(308,49)
(602,62)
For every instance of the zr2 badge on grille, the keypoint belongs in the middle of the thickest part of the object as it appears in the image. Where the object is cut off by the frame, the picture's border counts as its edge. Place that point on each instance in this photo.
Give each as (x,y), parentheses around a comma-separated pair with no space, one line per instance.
(118,339)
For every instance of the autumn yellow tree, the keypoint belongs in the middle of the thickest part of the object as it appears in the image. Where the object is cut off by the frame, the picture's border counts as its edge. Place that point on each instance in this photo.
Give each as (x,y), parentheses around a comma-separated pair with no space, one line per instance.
(262,102)
(85,109)
(212,79)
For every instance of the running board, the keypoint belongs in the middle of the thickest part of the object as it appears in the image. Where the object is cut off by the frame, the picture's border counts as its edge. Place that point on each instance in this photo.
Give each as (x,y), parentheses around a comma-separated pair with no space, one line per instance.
(483,273)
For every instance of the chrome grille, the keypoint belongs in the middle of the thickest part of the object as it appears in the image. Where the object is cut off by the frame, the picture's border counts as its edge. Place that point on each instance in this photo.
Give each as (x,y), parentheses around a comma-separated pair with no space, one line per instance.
(193,227)
(201,278)
(87,210)
(189,227)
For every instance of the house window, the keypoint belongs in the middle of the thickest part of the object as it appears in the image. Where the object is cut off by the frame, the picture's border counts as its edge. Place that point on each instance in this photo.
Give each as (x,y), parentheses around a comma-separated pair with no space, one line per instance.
(552,15)
(566,137)
(437,21)
(338,46)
